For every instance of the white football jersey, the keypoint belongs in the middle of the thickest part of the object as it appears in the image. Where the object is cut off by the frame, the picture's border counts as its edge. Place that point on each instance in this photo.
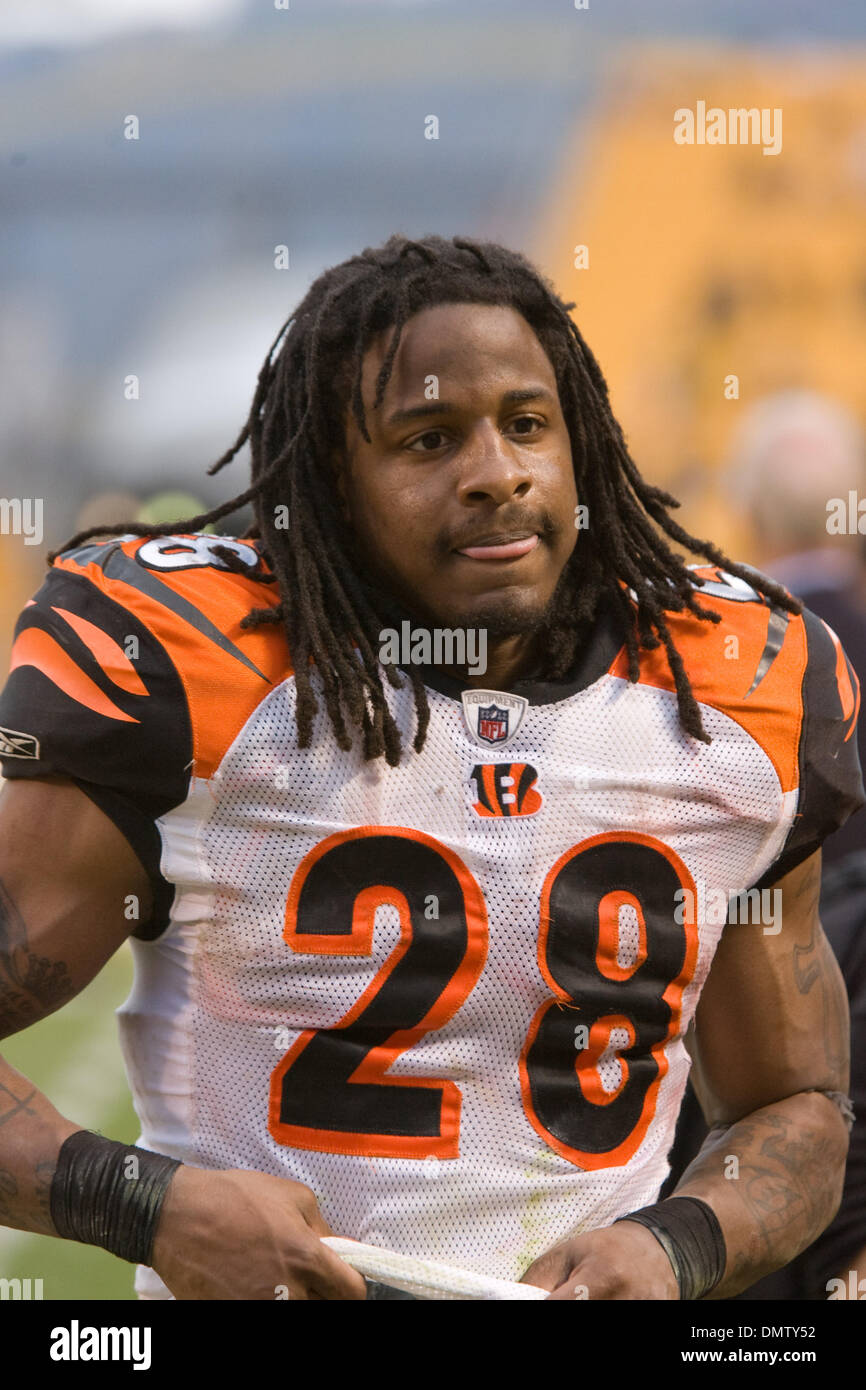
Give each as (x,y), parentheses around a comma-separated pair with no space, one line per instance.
(449,996)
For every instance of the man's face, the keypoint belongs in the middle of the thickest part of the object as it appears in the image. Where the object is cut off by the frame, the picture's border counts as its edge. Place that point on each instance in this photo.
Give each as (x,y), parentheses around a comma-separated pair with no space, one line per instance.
(463,506)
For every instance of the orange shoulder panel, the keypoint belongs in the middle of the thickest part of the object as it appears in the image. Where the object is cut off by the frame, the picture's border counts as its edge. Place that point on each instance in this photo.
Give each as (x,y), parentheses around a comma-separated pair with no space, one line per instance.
(195,612)
(750,666)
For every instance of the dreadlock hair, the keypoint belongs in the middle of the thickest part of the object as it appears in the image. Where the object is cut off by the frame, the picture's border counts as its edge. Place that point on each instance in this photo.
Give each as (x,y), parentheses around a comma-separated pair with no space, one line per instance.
(331,612)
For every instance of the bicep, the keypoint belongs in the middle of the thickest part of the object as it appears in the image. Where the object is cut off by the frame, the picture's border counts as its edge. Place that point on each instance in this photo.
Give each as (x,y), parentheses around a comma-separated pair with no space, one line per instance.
(772,1019)
(67,875)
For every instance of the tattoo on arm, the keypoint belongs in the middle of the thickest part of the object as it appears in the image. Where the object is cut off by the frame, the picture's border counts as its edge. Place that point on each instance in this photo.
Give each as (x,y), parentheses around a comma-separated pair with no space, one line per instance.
(12,1105)
(43,1174)
(33,1204)
(25,1192)
(816,963)
(785,1163)
(8,1193)
(30,985)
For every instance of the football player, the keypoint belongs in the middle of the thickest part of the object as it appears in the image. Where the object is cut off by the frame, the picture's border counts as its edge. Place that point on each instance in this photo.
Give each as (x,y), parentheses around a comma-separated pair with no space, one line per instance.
(424,952)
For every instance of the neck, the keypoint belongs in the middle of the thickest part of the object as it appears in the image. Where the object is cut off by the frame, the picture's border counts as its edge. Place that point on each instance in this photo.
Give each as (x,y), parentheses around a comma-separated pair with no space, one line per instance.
(508,659)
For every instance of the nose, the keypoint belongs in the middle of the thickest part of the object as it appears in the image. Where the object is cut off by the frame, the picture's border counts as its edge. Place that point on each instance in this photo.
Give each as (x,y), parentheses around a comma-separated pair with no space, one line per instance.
(491,468)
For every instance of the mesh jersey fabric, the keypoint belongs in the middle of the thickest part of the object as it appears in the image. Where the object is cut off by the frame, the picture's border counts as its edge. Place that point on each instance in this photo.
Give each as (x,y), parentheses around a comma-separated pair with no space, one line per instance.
(463,1031)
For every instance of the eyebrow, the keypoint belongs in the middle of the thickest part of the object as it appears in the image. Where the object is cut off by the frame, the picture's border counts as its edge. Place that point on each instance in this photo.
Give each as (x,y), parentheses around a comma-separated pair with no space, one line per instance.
(420,412)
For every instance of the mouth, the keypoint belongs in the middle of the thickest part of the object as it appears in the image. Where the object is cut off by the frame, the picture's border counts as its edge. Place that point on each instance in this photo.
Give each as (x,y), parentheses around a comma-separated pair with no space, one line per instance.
(500,547)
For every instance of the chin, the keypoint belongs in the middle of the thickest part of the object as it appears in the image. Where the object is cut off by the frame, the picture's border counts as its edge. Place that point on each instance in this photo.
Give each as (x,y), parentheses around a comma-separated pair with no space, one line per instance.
(508,616)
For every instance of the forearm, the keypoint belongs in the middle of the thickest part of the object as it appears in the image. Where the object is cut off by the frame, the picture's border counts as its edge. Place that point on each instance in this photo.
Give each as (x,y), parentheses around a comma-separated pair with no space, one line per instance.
(774,1180)
(31,1134)
(65,874)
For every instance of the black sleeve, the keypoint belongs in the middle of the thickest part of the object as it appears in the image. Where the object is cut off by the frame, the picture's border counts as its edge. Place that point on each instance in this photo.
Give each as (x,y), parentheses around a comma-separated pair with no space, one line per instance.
(93,696)
(830,777)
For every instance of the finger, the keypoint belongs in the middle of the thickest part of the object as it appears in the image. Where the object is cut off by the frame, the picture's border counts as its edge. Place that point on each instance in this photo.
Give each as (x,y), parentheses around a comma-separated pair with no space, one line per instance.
(568,1292)
(332,1278)
(548,1272)
(317,1223)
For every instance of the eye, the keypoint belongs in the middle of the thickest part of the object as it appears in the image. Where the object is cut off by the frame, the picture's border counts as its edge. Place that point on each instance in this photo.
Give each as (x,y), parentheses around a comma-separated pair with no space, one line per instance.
(531,420)
(436,435)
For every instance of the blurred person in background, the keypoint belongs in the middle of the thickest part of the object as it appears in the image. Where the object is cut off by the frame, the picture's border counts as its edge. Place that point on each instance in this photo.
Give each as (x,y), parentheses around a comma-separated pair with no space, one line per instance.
(794,464)
(796,456)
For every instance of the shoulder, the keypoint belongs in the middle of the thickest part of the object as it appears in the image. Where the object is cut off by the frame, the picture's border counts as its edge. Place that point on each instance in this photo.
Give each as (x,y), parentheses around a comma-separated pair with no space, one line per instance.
(133,638)
(769,669)
(131,674)
(163,579)
(191,592)
(787,681)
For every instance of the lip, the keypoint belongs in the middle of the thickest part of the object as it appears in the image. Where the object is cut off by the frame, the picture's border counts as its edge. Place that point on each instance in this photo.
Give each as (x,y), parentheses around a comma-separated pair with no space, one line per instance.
(501,547)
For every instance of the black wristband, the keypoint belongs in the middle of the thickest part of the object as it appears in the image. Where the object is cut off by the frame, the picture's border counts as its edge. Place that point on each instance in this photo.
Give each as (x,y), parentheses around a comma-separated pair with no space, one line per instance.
(109,1194)
(690,1235)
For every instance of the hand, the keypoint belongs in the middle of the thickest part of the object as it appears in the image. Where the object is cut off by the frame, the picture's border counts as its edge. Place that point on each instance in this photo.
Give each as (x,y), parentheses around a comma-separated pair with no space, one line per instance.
(620,1261)
(240,1235)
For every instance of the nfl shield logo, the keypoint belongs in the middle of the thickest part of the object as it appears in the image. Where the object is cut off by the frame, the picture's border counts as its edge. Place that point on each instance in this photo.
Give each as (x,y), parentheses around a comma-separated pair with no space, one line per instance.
(493,716)
(493,724)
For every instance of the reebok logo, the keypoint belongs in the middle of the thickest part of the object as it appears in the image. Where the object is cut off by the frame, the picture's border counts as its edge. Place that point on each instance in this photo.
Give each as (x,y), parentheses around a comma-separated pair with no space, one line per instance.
(14,744)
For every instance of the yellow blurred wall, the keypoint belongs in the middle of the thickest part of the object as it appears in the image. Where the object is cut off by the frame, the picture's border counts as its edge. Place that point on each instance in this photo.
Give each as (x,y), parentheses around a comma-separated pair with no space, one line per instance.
(710,260)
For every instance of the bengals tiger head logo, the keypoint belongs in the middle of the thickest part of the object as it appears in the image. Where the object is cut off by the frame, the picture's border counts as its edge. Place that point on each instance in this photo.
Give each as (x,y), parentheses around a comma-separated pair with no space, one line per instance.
(505,789)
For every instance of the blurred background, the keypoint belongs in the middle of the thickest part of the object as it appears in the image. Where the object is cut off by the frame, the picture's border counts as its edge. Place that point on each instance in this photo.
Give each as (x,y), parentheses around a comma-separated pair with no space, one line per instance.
(722,289)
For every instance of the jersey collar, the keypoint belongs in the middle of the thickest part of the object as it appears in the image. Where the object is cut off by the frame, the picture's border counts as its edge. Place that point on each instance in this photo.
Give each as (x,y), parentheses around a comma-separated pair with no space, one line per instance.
(603,644)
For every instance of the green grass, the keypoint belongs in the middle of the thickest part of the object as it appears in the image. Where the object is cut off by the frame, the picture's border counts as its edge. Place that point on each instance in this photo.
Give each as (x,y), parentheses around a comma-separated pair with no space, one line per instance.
(74,1057)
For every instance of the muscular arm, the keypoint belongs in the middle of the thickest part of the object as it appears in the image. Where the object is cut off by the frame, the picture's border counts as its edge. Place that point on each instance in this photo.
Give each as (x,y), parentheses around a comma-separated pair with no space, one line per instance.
(771,1033)
(65,874)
